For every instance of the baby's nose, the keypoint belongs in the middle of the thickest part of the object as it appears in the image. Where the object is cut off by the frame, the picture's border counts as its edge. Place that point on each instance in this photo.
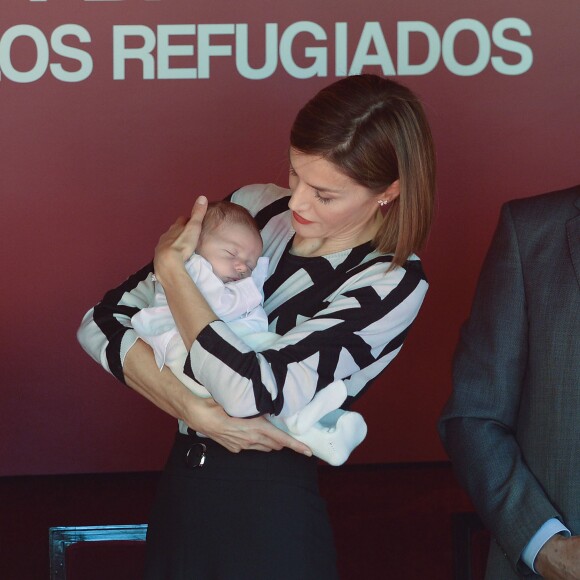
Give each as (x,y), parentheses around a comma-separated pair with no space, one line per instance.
(242,270)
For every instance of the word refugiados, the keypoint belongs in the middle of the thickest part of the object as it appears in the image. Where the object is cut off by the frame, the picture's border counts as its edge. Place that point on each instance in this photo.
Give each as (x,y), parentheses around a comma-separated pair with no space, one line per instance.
(157,49)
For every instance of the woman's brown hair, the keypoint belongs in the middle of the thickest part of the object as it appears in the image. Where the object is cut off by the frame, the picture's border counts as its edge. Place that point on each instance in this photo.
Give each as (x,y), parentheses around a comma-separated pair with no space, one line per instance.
(375,131)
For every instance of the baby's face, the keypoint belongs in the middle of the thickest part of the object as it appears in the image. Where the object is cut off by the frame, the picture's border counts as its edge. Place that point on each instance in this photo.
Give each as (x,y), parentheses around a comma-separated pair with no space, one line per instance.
(232,250)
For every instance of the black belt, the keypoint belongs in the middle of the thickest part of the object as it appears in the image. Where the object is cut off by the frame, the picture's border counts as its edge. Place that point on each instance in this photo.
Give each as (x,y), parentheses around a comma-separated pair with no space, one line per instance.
(207,459)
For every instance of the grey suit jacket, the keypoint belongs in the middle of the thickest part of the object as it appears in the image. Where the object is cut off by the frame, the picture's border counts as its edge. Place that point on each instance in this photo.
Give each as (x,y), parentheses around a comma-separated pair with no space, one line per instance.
(512,424)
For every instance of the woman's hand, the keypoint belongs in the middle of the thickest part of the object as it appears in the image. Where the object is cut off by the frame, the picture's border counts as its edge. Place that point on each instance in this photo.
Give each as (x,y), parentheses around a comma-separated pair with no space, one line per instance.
(189,308)
(178,243)
(239,434)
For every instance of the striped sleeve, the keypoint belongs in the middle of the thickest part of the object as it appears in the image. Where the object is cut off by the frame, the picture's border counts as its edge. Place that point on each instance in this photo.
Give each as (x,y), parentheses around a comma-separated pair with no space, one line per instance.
(353,337)
(105,332)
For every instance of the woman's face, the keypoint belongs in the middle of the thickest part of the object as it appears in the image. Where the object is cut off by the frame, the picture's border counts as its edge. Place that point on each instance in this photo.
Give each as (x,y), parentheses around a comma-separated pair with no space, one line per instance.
(327,204)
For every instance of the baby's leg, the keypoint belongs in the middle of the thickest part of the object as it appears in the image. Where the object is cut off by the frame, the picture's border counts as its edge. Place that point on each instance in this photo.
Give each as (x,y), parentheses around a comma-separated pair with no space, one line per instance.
(334,437)
(325,401)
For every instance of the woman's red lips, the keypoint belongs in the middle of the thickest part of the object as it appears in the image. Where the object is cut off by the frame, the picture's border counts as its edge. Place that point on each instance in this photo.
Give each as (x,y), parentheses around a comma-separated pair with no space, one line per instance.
(300,219)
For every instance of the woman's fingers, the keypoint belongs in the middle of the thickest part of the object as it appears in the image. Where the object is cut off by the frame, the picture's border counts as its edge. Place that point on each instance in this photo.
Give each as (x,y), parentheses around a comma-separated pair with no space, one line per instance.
(179,242)
(199,209)
(189,236)
(259,434)
(274,438)
(238,434)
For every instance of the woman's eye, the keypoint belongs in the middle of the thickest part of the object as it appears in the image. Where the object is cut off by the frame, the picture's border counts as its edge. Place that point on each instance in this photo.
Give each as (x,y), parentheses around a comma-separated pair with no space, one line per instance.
(320,198)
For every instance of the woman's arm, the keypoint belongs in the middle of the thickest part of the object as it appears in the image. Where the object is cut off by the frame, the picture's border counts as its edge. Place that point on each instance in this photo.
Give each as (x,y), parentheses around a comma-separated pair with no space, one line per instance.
(165,391)
(106,335)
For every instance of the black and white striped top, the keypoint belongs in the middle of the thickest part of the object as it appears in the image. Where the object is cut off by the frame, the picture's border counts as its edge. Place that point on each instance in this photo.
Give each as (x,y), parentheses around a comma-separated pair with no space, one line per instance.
(340,316)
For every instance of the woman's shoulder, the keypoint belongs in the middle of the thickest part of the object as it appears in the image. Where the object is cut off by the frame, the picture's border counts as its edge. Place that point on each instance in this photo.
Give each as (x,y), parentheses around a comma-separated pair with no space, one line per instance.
(256,197)
(364,268)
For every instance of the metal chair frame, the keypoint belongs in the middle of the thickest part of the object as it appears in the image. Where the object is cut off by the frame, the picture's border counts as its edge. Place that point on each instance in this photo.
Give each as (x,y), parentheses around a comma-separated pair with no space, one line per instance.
(60,538)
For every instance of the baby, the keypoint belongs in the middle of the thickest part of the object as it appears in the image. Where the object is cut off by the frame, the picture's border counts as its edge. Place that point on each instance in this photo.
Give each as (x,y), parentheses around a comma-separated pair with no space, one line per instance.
(229,272)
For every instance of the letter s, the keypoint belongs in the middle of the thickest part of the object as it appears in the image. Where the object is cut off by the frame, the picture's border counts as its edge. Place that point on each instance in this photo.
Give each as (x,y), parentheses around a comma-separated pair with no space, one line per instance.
(84,58)
(525,52)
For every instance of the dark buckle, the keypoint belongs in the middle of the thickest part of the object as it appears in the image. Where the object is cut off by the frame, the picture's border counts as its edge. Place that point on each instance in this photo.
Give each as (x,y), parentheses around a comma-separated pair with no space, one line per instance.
(195,456)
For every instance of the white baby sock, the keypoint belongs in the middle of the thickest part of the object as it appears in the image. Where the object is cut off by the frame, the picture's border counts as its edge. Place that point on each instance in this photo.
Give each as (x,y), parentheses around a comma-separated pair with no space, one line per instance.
(325,401)
(333,438)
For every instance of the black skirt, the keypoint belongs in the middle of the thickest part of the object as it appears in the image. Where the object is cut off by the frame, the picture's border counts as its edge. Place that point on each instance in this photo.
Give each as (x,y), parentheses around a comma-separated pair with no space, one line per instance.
(241,516)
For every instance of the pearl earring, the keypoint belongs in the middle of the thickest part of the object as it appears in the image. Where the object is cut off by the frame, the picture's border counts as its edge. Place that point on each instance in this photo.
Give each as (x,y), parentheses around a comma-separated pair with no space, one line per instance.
(383,202)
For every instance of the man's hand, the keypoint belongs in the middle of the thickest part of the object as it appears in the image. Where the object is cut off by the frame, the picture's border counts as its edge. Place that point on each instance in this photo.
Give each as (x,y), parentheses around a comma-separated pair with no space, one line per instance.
(559,558)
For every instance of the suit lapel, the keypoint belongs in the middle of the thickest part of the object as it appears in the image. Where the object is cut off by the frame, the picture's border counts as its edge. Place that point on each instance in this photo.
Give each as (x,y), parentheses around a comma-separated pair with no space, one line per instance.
(573,232)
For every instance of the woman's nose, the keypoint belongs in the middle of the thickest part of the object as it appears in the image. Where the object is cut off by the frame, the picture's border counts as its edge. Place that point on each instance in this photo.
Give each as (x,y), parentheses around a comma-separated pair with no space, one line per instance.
(298,199)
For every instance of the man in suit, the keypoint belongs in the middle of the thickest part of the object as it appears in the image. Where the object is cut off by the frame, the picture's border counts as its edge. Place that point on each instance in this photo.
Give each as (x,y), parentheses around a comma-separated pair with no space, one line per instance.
(512,424)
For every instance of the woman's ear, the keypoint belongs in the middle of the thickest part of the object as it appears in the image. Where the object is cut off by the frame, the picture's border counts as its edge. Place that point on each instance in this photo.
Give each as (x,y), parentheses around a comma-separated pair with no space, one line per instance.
(391,193)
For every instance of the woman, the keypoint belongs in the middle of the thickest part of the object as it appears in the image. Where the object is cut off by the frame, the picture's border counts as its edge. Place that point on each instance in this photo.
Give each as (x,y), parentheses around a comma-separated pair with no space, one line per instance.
(344,287)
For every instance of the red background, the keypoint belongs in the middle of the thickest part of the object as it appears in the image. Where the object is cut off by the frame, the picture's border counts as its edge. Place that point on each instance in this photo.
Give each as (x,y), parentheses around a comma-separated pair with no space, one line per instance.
(93,171)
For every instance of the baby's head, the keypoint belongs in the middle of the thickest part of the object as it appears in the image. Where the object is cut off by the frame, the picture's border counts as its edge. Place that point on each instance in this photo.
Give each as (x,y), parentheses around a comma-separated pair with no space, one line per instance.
(230,241)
